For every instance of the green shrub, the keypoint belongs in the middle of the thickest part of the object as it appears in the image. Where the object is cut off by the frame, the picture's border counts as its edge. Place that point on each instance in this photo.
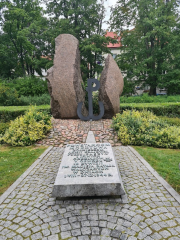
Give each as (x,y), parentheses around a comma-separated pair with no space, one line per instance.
(28,86)
(12,112)
(145,98)
(144,128)
(3,127)
(159,109)
(8,96)
(35,100)
(171,121)
(27,129)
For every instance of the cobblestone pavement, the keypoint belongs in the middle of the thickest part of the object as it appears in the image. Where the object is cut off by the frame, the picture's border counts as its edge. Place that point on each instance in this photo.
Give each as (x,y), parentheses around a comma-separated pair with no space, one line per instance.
(75,131)
(30,212)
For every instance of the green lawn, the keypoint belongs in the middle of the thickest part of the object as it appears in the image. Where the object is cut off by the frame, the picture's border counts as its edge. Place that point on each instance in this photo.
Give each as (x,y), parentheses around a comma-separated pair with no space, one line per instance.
(14,161)
(165,162)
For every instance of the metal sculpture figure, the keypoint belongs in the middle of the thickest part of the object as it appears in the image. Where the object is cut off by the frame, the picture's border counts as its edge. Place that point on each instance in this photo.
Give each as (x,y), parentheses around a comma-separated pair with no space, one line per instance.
(90,89)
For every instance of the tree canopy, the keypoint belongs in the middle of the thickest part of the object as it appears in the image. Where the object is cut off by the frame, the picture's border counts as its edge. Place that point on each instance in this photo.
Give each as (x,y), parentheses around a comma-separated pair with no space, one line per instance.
(28,32)
(22,38)
(151,50)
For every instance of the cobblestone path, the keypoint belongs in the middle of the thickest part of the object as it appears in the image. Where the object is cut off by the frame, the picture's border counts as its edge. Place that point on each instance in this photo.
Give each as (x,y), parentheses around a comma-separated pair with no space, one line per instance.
(75,131)
(30,212)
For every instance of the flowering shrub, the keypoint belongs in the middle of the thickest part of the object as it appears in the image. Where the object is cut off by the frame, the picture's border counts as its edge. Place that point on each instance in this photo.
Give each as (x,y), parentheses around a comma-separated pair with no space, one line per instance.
(144,128)
(27,129)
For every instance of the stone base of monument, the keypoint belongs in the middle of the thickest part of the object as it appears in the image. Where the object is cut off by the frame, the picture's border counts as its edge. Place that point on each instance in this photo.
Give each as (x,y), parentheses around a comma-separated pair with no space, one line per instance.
(86,170)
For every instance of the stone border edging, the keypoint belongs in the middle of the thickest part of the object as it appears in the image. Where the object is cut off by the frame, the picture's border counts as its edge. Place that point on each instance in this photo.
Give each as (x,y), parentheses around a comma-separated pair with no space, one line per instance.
(17,182)
(166,185)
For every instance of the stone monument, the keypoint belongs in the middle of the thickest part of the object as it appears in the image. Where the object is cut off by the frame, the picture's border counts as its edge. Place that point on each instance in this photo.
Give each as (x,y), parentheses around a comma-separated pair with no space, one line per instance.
(112,83)
(64,78)
(88,169)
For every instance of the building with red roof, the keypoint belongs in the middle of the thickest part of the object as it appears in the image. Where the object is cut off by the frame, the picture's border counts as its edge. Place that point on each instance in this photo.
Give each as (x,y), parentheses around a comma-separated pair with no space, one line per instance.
(114,47)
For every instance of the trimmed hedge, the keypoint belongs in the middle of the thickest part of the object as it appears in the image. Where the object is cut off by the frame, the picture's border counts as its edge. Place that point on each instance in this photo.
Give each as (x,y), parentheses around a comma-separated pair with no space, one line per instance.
(159,109)
(12,112)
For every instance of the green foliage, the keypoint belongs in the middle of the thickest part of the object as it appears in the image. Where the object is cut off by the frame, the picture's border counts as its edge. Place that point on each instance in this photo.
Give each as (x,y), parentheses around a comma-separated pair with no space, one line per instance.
(8,96)
(27,129)
(12,112)
(29,86)
(171,121)
(150,51)
(3,127)
(144,128)
(145,98)
(83,19)
(23,39)
(159,109)
(35,100)
(129,87)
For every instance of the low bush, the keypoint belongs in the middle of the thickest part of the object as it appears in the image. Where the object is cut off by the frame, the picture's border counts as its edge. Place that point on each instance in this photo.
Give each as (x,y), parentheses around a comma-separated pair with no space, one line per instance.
(27,129)
(3,127)
(144,128)
(28,86)
(145,98)
(171,121)
(12,112)
(159,109)
(35,100)
(8,96)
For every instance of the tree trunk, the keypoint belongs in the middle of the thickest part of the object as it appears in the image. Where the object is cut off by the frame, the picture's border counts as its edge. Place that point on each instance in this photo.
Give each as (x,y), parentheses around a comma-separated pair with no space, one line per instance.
(152,91)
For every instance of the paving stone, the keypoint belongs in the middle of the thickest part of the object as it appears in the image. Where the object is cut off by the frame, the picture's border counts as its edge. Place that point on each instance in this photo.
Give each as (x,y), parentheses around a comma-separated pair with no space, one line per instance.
(36,229)
(46,232)
(65,235)
(83,238)
(115,233)
(102,224)
(95,230)
(105,238)
(95,237)
(165,234)
(20,230)
(76,232)
(53,237)
(124,236)
(36,236)
(83,218)
(65,227)
(27,233)
(86,230)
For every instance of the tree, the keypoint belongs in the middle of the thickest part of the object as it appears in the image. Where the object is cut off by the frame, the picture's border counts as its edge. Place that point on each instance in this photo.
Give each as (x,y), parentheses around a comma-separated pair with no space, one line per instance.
(23,37)
(83,19)
(151,50)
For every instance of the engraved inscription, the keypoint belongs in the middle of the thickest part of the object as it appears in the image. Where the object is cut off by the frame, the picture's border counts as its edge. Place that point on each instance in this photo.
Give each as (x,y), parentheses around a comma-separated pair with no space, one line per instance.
(89,160)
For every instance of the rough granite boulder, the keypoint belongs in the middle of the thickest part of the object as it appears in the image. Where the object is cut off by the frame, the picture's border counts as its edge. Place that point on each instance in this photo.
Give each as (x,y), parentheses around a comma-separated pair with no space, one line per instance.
(111,87)
(64,78)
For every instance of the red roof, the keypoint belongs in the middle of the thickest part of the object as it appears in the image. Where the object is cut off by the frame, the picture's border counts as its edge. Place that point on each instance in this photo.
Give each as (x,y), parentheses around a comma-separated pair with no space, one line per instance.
(114,36)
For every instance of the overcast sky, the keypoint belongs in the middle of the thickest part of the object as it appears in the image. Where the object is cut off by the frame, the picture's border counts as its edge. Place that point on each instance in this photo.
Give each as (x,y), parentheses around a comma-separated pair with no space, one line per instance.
(108,4)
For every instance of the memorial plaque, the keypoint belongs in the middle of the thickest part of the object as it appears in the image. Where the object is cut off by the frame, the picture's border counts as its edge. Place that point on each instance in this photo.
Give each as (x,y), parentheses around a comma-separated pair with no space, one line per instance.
(88,169)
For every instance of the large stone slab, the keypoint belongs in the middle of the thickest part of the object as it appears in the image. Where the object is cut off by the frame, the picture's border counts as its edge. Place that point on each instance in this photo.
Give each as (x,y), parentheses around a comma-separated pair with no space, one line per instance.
(88,170)
(64,78)
(111,87)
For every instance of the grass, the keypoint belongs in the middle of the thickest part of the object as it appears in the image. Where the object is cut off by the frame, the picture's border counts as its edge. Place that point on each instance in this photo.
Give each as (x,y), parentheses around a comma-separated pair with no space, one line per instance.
(22,108)
(165,162)
(14,161)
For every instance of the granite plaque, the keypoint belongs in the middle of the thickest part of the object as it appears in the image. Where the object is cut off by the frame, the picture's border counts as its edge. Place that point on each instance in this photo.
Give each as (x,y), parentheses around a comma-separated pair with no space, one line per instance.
(88,169)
